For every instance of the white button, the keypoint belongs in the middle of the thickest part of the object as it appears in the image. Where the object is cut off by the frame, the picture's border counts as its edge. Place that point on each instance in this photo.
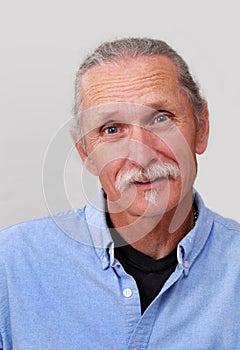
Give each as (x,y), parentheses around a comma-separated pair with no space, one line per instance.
(186,263)
(127,292)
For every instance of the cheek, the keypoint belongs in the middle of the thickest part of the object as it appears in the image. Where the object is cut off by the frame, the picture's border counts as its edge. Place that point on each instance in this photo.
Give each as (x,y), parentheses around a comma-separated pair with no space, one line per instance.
(108,172)
(180,141)
(107,155)
(107,177)
(182,148)
(91,141)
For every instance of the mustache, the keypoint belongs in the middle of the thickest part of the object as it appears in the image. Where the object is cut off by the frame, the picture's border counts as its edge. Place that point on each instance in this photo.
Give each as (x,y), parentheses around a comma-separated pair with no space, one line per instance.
(150,174)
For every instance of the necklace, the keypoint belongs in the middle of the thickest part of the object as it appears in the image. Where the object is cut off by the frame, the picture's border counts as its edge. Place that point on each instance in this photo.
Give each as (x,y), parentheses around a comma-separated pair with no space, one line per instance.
(195,213)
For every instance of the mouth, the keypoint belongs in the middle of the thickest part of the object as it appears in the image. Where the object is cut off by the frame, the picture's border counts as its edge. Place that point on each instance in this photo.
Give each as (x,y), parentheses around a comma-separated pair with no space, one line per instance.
(149,183)
(146,181)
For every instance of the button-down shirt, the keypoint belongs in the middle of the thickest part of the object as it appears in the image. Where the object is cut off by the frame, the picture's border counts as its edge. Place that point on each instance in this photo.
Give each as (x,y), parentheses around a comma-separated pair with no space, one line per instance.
(62,288)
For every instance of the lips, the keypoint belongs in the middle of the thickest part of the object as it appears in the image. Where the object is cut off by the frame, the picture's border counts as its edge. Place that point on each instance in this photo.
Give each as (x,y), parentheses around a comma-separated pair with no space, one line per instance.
(148,184)
(142,182)
(149,180)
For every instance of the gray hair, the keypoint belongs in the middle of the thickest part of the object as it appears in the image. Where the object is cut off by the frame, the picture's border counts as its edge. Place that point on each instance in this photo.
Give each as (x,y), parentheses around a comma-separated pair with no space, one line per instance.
(132,47)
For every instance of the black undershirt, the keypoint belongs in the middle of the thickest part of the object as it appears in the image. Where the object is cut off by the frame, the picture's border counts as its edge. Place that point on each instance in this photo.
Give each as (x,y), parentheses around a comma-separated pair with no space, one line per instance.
(149,274)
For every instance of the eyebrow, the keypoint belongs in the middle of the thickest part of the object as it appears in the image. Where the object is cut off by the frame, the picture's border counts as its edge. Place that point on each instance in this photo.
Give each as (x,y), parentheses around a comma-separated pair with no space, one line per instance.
(158,104)
(103,117)
(115,114)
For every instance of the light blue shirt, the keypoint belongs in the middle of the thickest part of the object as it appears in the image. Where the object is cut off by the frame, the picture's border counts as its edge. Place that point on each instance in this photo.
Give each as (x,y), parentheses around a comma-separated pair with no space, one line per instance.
(61,288)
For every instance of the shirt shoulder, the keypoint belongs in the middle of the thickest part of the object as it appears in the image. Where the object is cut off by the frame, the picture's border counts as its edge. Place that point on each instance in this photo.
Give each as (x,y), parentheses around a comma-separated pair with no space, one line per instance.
(226,225)
(225,234)
(42,229)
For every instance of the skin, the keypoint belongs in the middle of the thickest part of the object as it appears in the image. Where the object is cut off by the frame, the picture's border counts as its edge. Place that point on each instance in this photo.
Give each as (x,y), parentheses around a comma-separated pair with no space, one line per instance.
(137,137)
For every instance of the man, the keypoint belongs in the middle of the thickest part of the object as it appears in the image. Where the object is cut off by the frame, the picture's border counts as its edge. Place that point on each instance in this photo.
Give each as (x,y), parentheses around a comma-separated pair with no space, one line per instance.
(146,265)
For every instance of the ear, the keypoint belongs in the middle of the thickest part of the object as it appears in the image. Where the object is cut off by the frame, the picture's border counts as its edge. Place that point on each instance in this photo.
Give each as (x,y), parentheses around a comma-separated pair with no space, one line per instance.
(202,131)
(88,162)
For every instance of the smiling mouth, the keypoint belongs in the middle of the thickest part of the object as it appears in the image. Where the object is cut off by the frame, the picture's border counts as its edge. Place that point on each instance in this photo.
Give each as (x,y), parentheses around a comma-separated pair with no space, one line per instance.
(149,181)
(146,185)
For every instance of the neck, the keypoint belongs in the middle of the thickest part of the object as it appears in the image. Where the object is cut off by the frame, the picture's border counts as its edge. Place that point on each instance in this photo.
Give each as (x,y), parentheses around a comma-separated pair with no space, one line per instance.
(156,236)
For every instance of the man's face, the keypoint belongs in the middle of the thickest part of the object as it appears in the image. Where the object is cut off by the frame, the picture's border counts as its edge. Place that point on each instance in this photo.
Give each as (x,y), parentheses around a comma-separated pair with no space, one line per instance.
(135,116)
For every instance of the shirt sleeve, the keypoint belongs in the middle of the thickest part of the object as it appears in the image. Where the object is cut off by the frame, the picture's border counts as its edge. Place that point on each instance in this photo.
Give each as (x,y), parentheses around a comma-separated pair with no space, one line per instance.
(1,307)
(1,320)
(5,338)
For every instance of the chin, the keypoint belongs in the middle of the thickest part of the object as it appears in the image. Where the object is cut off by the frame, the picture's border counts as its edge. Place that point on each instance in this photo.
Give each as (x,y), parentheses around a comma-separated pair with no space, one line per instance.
(147,203)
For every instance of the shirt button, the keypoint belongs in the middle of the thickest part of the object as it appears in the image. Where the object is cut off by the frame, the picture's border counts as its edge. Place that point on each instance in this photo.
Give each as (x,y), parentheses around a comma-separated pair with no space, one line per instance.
(127,292)
(186,264)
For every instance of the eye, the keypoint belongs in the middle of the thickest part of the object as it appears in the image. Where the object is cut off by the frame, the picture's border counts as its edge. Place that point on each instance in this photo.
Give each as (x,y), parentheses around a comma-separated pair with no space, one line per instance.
(161,118)
(111,130)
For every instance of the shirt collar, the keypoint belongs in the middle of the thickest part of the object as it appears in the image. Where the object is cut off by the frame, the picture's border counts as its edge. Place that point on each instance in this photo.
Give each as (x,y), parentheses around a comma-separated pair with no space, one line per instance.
(99,231)
(192,244)
(188,248)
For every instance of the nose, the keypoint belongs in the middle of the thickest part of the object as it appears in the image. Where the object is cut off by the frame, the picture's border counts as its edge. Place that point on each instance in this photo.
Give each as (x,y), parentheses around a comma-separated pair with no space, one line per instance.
(141,147)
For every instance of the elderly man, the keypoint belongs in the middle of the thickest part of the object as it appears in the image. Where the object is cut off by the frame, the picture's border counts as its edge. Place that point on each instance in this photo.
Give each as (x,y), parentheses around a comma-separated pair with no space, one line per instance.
(145,265)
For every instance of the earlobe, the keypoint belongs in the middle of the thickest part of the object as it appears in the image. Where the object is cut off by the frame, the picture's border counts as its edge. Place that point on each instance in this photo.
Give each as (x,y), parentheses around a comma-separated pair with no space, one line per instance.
(202,131)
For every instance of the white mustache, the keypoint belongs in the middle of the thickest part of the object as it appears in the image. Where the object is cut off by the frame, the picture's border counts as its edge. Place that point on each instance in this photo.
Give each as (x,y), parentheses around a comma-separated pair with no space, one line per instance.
(150,174)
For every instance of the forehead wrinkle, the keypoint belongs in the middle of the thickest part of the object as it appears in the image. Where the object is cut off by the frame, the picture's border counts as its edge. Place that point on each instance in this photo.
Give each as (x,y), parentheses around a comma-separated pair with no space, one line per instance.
(144,93)
(125,82)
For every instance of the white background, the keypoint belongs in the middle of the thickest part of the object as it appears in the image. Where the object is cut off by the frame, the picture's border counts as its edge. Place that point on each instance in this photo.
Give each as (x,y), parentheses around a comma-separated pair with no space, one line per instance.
(42,44)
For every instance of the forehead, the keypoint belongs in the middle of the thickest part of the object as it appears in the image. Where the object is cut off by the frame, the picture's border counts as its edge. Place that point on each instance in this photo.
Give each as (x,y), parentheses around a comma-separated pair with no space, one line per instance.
(142,80)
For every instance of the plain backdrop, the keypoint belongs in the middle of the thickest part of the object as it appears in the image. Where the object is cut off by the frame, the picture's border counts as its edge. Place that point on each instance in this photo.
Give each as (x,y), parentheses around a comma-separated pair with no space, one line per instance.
(42,44)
